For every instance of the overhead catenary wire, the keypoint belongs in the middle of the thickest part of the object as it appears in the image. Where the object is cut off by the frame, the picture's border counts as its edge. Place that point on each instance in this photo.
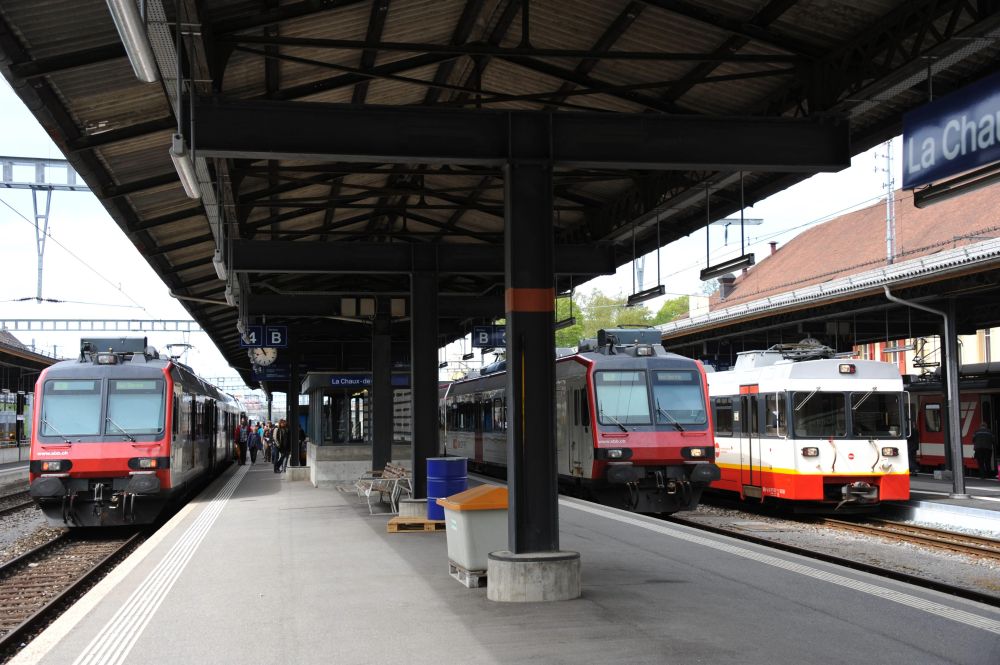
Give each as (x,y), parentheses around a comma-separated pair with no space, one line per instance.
(70,252)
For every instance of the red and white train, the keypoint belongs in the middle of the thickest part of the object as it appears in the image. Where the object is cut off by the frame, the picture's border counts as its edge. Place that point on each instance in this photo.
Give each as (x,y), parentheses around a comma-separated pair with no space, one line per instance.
(979,399)
(632,428)
(796,424)
(120,432)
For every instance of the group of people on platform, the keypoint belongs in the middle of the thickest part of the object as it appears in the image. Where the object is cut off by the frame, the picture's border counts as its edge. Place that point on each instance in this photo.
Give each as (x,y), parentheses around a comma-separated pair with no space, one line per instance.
(250,438)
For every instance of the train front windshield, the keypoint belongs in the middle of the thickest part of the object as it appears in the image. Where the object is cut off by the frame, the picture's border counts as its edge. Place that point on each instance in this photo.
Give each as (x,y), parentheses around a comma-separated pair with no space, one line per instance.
(74,408)
(676,399)
(136,406)
(821,415)
(71,408)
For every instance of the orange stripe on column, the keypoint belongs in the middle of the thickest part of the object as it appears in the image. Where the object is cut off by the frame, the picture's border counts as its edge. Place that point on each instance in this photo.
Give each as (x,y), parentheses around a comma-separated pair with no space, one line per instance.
(530,300)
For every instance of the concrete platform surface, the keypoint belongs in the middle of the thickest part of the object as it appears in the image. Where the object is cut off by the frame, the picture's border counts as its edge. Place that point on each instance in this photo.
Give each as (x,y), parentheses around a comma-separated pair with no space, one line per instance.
(262,571)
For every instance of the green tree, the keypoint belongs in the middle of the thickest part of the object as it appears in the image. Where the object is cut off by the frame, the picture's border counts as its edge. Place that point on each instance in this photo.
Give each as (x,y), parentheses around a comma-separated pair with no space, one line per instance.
(671,309)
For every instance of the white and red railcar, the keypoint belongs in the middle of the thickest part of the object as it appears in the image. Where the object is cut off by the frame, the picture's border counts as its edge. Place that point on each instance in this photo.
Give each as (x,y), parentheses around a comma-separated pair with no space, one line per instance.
(119,433)
(979,401)
(799,425)
(632,428)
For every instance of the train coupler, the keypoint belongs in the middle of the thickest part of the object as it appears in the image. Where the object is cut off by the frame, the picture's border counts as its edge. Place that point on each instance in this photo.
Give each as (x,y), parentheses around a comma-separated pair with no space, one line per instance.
(858,493)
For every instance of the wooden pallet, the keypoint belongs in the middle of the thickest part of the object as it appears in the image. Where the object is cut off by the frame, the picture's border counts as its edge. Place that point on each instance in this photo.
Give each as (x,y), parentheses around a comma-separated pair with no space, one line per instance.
(401,524)
(471,579)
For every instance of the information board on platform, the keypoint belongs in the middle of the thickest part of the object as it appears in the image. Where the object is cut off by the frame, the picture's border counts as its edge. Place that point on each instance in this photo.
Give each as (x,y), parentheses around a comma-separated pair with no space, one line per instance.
(485,337)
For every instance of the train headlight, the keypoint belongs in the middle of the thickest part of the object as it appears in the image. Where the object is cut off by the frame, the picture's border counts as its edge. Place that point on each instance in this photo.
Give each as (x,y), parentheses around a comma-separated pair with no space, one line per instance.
(54,465)
(697,453)
(643,350)
(889,451)
(107,359)
(147,463)
(848,368)
(614,453)
(810,451)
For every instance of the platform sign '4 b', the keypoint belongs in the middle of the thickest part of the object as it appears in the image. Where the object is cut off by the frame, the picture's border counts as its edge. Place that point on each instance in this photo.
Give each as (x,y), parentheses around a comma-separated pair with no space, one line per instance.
(253,337)
(276,336)
(484,337)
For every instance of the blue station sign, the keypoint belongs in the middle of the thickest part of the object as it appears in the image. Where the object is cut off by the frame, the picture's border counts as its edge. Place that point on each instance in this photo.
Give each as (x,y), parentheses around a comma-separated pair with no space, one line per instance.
(957,133)
(365,380)
(487,337)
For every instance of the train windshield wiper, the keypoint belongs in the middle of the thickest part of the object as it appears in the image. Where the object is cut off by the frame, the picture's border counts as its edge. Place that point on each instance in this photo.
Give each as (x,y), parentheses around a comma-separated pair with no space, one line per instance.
(614,420)
(673,421)
(862,400)
(56,430)
(806,399)
(122,430)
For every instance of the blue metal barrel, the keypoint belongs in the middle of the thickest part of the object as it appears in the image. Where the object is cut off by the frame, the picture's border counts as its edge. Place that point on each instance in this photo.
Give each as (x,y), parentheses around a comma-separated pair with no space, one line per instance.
(445,476)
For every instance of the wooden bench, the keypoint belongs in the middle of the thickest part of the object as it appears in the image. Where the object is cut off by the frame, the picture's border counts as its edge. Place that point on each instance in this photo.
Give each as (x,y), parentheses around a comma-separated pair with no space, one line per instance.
(385,486)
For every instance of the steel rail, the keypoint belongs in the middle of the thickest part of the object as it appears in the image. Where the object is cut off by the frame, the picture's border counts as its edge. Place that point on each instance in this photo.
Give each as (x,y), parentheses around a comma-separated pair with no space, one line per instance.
(9,642)
(979,597)
(938,538)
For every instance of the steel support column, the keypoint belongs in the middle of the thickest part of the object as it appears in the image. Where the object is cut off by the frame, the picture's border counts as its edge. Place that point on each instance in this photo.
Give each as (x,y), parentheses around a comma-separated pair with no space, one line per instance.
(423,365)
(315,430)
(949,346)
(533,520)
(382,420)
(294,385)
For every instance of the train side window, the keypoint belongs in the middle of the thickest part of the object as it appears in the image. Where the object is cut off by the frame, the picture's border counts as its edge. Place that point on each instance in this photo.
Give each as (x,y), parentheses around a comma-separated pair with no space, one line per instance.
(487,409)
(176,415)
(584,408)
(498,419)
(932,417)
(774,415)
(723,416)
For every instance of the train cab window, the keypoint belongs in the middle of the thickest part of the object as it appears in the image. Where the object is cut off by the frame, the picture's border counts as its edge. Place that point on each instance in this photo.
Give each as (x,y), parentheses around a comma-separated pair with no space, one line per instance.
(819,415)
(71,408)
(723,416)
(876,415)
(176,416)
(135,406)
(499,423)
(678,397)
(774,415)
(622,398)
(932,417)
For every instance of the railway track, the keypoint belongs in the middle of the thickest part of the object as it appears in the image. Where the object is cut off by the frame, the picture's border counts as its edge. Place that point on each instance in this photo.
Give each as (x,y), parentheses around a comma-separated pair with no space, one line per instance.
(949,540)
(11,503)
(916,580)
(33,586)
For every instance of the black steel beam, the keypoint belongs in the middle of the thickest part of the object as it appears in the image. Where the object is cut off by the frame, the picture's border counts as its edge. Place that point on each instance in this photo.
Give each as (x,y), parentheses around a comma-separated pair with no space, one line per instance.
(58,63)
(357,257)
(449,307)
(296,130)
(138,130)
(249,20)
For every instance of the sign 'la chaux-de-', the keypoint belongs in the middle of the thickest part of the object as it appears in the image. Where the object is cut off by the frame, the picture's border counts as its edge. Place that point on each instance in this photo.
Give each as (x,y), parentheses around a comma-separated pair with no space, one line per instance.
(956,133)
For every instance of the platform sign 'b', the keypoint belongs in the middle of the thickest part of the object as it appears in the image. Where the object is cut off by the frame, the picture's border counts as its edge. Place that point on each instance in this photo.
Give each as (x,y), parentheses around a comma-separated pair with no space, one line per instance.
(276,336)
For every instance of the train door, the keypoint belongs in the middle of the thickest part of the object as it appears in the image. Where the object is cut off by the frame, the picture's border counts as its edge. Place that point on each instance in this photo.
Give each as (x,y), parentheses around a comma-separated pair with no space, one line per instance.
(750,478)
(579,430)
(987,414)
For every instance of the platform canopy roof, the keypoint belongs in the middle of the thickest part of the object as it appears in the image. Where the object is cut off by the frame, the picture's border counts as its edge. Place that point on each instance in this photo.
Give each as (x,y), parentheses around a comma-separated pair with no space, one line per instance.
(337,140)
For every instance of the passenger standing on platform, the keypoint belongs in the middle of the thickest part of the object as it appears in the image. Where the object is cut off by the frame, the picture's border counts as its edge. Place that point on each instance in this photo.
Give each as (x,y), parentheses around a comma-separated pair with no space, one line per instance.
(242,434)
(982,446)
(268,442)
(253,443)
(280,447)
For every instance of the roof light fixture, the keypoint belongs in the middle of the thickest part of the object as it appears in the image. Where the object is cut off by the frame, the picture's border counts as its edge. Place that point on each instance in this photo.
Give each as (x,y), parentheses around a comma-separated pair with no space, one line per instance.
(184,167)
(725,267)
(132,31)
(220,265)
(648,294)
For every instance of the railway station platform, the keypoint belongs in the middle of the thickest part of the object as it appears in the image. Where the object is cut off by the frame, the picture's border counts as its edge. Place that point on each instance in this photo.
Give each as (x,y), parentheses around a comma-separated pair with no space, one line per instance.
(259,569)
(930,500)
(13,474)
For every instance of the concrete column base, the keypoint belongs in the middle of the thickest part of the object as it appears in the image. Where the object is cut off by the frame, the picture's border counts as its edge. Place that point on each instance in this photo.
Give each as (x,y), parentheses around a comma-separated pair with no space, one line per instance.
(533,577)
(296,473)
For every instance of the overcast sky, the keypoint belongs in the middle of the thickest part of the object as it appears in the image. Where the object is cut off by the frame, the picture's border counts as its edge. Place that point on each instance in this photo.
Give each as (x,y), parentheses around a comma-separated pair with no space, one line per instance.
(96,273)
